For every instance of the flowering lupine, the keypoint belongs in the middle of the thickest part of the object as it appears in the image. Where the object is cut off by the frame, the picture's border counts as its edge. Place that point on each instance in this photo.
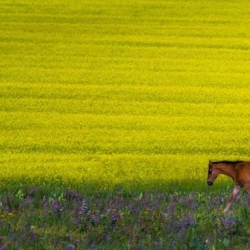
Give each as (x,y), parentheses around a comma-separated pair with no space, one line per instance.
(32,235)
(70,247)
(230,224)
(150,221)
(56,206)
(84,207)
(72,195)
(133,209)
(115,216)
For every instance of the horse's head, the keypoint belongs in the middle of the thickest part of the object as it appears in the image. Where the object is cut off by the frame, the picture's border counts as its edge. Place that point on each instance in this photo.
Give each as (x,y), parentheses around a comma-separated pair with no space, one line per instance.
(212,173)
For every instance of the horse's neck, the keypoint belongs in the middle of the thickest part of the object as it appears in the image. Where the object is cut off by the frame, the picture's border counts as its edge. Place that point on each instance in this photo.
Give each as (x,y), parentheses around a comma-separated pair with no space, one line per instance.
(228,170)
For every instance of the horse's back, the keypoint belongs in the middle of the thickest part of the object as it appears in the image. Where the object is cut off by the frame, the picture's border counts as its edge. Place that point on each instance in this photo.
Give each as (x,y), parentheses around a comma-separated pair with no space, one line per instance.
(243,172)
(243,165)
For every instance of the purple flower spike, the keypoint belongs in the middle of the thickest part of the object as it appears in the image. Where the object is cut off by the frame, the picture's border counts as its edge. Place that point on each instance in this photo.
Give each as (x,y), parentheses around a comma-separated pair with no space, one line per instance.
(106,238)
(9,210)
(115,216)
(56,206)
(134,209)
(70,247)
(32,235)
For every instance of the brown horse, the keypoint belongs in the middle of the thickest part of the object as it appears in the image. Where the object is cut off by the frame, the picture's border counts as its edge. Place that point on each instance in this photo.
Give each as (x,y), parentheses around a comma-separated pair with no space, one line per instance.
(239,171)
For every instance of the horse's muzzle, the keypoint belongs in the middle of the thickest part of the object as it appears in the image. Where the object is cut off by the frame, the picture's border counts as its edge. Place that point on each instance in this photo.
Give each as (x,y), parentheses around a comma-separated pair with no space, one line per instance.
(209,183)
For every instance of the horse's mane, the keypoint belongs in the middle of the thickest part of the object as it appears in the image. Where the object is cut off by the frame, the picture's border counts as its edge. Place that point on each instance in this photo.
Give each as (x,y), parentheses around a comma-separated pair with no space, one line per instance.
(227,162)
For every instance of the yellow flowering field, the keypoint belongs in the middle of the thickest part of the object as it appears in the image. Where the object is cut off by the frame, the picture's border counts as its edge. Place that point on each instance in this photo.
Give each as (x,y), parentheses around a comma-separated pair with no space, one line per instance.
(141,94)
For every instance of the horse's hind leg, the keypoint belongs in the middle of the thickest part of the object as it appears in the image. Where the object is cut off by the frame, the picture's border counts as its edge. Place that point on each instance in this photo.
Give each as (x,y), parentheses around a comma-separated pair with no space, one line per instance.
(231,197)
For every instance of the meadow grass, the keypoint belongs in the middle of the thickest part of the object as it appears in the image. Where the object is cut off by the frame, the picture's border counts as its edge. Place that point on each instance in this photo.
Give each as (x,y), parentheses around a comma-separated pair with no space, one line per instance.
(99,96)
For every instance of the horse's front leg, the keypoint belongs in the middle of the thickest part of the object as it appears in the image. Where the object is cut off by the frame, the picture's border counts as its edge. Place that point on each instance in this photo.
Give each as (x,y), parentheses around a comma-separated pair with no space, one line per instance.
(231,198)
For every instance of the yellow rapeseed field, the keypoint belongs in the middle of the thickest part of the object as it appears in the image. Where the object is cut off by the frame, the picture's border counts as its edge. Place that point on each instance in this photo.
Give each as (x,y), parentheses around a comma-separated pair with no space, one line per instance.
(105,93)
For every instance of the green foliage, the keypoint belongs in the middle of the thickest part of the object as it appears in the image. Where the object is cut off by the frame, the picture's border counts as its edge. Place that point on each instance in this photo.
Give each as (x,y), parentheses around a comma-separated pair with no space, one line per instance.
(151,221)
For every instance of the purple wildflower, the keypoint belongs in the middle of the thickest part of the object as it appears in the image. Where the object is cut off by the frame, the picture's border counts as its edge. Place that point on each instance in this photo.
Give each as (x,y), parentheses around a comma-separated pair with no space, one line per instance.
(32,235)
(56,206)
(9,210)
(106,238)
(70,247)
(72,195)
(96,217)
(134,209)
(84,207)
(56,242)
(230,224)
(115,216)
